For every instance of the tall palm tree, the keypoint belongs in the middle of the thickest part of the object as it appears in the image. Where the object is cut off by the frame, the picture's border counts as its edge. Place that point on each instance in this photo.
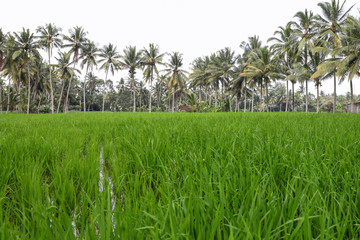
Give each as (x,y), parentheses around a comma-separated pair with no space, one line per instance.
(177,75)
(64,72)
(48,39)
(109,59)
(88,55)
(26,49)
(199,75)
(285,50)
(349,65)
(76,41)
(305,30)
(152,58)
(332,21)
(132,60)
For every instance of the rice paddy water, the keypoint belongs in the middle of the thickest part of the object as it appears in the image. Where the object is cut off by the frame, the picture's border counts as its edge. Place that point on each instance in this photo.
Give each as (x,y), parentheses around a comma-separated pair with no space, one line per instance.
(180,176)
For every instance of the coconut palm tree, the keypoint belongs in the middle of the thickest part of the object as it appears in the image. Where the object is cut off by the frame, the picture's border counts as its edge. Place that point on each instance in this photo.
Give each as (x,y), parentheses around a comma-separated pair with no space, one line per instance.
(285,50)
(64,72)
(26,48)
(132,60)
(199,76)
(109,57)
(88,55)
(305,30)
(76,41)
(48,39)
(349,65)
(152,58)
(176,74)
(331,22)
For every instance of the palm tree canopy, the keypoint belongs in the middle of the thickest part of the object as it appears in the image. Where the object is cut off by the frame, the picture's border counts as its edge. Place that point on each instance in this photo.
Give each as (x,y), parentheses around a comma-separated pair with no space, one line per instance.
(89,55)
(151,58)
(49,37)
(76,41)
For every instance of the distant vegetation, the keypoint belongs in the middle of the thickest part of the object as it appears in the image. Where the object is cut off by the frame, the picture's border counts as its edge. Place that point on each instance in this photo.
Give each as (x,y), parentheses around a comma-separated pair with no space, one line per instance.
(41,71)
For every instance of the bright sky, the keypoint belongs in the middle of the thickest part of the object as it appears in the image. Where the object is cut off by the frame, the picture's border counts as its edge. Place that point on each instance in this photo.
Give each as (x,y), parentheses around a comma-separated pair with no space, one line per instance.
(192,27)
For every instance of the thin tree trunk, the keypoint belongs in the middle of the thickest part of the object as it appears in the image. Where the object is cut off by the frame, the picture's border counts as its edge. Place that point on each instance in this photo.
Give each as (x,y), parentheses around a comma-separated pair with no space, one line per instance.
(334,106)
(62,90)
(173,101)
(133,82)
(199,94)
(317,97)
(151,79)
(66,107)
(8,99)
(216,97)
(245,95)
(29,87)
(85,88)
(267,96)
(261,95)
(1,102)
(103,103)
(307,96)
(237,103)
(351,97)
(230,103)
(252,101)
(293,99)
(287,95)
(38,109)
(51,88)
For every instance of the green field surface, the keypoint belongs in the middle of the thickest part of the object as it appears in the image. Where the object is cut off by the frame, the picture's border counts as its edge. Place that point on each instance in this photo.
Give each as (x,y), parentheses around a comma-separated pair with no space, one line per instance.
(180,176)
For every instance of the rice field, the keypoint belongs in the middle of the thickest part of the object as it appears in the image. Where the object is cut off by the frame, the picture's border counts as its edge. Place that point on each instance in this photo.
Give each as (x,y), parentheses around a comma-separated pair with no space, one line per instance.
(180,176)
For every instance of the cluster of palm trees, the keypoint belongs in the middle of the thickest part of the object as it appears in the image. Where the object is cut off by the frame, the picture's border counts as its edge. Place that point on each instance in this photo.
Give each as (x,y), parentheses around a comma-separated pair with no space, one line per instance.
(24,66)
(310,48)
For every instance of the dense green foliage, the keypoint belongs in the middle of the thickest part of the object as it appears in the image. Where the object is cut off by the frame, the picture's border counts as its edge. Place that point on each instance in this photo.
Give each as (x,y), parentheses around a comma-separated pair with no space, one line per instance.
(180,176)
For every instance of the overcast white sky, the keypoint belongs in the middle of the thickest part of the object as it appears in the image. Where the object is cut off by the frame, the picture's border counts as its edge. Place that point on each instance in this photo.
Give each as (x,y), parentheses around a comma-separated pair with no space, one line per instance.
(192,27)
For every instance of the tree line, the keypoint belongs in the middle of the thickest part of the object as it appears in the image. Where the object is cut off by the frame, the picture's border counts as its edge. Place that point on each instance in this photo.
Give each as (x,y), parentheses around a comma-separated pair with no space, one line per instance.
(310,48)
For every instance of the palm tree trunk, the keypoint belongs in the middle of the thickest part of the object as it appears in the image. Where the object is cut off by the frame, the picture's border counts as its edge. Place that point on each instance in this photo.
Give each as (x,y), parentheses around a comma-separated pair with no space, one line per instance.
(8,99)
(252,101)
(351,97)
(66,107)
(334,106)
(216,97)
(236,103)
(173,101)
(133,83)
(267,96)
(85,88)
(59,102)
(293,99)
(317,97)
(261,95)
(151,79)
(1,103)
(287,95)
(103,102)
(199,94)
(230,102)
(245,96)
(307,96)
(29,87)
(51,88)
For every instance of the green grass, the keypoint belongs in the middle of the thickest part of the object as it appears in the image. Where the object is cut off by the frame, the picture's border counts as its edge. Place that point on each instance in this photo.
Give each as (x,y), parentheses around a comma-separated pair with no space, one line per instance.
(180,176)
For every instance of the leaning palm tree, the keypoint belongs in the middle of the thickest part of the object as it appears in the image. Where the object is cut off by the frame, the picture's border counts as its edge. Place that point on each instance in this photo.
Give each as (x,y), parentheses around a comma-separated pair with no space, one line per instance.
(88,55)
(48,39)
(305,30)
(76,41)
(131,60)
(177,75)
(26,49)
(332,22)
(152,58)
(109,59)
